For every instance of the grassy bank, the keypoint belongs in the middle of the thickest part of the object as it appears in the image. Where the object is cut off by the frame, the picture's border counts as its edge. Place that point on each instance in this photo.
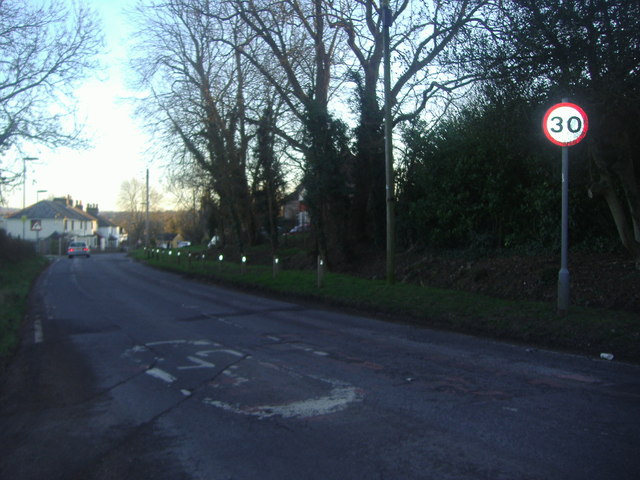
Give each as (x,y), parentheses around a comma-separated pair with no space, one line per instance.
(584,330)
(15,282)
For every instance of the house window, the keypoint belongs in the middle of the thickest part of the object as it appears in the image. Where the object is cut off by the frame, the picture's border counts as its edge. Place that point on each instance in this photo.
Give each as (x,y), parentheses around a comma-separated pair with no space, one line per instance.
(65,224)
(73,224)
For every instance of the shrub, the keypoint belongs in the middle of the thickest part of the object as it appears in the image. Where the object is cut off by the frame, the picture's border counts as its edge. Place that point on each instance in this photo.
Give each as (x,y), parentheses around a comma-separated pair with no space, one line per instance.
(13,250)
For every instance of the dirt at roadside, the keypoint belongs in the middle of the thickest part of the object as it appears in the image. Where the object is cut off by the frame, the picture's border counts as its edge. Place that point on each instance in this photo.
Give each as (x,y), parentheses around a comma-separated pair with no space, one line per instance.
(596,280)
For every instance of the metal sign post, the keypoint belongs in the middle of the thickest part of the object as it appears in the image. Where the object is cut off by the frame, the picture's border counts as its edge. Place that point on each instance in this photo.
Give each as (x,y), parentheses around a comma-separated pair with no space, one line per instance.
(563,274)
(565,124)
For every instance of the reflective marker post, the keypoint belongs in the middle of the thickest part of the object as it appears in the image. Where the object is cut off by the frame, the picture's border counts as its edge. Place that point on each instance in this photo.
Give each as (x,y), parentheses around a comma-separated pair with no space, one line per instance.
(320,271)
(565,124)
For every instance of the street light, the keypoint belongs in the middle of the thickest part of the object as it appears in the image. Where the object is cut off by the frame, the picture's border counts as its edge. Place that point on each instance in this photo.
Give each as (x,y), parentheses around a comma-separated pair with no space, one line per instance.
(24,189)
(24,180)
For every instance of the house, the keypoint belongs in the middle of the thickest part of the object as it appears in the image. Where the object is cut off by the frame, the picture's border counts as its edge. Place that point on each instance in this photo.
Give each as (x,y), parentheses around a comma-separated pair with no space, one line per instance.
(59,219)
(109,234)
(168,240)
(295,208)
(52,218)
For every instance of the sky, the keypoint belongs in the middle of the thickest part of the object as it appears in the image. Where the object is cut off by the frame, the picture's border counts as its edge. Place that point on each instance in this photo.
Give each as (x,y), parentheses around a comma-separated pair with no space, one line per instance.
(119,144)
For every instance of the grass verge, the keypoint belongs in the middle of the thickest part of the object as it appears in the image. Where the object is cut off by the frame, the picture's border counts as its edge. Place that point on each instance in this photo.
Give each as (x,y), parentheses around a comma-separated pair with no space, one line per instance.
(15,282)
(587,331)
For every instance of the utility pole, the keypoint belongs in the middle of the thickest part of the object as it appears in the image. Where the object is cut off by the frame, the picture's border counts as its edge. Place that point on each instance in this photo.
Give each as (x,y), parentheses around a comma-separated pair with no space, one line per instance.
(387,19)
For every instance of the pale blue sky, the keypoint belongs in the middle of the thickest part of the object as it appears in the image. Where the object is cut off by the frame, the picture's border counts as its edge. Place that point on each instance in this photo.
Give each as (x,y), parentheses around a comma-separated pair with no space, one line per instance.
(120,146)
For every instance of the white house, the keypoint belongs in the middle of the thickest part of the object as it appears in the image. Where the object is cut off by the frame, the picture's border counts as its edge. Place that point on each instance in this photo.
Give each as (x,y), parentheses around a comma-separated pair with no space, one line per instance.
(57,218)
(109,234)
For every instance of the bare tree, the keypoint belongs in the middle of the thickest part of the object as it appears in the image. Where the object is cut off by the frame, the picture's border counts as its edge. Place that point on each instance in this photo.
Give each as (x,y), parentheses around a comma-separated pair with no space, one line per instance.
(198,87)
(45,51)
(214,68)
(293,46)
(132,202)
(425,77)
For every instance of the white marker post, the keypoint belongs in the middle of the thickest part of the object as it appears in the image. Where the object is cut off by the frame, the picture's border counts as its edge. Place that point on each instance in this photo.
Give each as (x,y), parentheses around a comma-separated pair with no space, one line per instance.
(565,124)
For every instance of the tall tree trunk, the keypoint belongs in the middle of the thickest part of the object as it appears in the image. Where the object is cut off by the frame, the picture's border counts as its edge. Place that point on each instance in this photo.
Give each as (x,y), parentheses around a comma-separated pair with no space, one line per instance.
(606,189)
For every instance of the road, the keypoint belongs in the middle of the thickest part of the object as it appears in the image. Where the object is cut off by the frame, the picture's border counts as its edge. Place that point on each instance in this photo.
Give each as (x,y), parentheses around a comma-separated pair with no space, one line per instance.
(128,372)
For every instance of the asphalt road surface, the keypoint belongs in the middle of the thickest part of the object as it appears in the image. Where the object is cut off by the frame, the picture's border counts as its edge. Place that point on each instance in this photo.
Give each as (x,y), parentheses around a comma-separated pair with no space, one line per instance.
(130,373)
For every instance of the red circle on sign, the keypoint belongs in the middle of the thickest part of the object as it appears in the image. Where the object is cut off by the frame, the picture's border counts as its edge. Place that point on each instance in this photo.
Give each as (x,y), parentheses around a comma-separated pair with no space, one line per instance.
(565,124)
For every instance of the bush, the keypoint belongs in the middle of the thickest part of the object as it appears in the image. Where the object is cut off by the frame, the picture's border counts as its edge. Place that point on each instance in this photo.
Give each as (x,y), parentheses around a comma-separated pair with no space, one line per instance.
(14,250)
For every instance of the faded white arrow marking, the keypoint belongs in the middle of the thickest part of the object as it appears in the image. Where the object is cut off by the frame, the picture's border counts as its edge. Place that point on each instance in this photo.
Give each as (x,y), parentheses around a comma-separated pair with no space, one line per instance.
(199,363)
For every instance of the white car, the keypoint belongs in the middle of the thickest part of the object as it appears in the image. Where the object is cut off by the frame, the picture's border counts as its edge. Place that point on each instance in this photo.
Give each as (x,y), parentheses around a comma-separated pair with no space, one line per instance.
(78,249)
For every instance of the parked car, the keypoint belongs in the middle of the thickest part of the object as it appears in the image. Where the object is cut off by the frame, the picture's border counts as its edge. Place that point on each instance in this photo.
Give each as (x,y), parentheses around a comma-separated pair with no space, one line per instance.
(78,248)
(184,244)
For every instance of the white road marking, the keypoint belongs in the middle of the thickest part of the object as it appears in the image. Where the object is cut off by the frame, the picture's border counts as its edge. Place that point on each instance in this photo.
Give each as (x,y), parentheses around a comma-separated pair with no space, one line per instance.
(205,353)
(161,375)
(180,341)
(164,342)
(236,379)
(38,333)
(338,399)
(199,363)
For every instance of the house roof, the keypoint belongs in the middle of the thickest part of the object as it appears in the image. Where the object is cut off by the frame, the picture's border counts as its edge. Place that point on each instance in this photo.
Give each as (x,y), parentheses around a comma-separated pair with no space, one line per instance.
(53,210)
(167,237)
(104,222)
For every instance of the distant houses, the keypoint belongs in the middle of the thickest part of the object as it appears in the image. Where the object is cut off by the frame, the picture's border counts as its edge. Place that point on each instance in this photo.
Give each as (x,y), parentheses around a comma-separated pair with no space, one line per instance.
(60,220)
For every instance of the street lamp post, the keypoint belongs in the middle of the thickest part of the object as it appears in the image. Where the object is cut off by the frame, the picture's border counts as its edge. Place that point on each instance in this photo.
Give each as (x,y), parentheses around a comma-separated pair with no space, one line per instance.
(24,188)
(24,179)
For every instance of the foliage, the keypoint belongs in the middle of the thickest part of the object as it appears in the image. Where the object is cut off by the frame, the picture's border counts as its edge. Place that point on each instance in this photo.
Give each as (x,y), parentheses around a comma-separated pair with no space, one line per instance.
(368,207)
(13,250)
(268,182)
(16,278)
(588,52)
(485,178)
(327,192)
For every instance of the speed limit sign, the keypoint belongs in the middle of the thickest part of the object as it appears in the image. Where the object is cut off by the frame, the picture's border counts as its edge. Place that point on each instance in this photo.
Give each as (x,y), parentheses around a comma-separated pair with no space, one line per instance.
(565,124)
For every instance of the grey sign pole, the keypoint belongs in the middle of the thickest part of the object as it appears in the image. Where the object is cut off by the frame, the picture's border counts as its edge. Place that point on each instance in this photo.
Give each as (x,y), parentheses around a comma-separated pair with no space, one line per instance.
(563,274)
(565,124)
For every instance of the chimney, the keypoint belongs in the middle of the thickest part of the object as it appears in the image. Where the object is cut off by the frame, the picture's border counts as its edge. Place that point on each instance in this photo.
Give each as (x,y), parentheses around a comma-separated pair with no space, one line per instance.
(92,209)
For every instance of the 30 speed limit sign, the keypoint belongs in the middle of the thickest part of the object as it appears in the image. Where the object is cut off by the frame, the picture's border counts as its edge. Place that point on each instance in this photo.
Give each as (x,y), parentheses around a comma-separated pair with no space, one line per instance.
(565,124)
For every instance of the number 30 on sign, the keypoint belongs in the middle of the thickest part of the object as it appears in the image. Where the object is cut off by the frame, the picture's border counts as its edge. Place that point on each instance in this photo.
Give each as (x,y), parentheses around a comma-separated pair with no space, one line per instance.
(565,124)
